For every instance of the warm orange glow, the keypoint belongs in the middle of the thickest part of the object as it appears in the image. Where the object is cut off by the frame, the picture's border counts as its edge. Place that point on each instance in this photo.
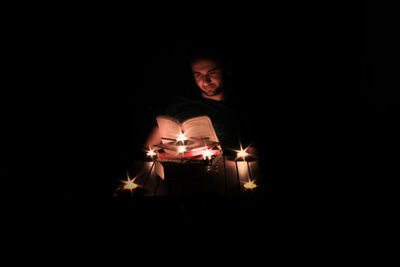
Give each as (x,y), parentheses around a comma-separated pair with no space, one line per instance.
(130,185)
(207,154)
(181,149)
(181,137)
(250,185)
(151,153)
(242,153)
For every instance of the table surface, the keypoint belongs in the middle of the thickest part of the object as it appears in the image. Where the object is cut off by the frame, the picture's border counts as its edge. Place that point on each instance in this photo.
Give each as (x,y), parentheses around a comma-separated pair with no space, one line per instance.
(227,179)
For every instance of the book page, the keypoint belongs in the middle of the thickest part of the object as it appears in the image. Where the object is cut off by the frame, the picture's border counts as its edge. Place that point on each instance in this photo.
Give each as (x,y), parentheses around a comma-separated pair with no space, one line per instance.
(200,127)
(168,127)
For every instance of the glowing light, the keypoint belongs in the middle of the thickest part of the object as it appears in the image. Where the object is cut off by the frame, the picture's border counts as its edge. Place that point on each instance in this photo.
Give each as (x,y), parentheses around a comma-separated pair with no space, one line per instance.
(207,154)
(181,137)
(181,149)
(151,153)
(242,153)
(129,184)
(250,185)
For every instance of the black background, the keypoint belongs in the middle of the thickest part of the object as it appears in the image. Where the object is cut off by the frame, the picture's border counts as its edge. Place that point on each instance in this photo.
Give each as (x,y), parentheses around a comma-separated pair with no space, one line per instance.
(305,74)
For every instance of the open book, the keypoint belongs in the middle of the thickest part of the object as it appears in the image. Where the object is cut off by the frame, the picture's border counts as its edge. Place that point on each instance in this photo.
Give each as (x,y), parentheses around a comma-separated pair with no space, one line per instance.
(197,127)
(198,132)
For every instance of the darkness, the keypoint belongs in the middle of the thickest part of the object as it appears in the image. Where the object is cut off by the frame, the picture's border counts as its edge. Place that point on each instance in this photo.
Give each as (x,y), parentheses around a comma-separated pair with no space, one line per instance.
(306,80)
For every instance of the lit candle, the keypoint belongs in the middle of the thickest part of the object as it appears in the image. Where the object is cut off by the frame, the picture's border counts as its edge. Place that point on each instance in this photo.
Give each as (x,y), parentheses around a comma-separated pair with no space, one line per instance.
(242,153)
(181,138)
(250,185)
(151,153)
(207,154)
(129,184)
(181,149)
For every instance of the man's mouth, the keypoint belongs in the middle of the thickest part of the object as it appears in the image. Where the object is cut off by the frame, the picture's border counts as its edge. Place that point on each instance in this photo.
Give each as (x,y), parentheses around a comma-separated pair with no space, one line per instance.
(208,87)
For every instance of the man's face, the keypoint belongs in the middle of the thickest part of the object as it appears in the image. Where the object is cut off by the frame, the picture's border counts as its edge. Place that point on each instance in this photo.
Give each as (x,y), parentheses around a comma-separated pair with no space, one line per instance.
(208,76)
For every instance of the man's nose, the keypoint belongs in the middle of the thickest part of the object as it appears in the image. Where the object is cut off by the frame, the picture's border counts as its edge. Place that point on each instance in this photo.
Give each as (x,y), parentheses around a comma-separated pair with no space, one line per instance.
(207,78)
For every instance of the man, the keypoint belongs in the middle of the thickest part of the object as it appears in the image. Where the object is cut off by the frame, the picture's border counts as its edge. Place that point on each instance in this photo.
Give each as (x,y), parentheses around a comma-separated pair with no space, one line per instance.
(211,74)
(208,75)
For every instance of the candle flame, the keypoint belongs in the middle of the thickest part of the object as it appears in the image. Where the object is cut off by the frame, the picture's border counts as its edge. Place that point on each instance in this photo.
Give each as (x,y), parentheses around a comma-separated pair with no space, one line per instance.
(242,153)
(181,149)
(129,184)
(250,185)
(181,137)
(151,153)
(207,154)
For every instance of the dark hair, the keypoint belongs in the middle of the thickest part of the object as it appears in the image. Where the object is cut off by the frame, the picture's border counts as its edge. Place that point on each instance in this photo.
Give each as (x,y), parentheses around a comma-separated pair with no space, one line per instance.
(214,53)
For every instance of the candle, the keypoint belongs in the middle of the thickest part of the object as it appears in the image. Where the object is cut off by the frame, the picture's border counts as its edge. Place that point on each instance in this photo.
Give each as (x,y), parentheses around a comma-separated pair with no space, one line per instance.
(181,149)
(207,154)
(242,153)
(250,185)
(151,153)
(129,184)
(181,138)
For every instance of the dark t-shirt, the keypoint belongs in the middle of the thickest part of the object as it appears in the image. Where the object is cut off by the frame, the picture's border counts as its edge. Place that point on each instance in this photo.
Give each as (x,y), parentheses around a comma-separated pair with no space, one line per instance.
(224,117)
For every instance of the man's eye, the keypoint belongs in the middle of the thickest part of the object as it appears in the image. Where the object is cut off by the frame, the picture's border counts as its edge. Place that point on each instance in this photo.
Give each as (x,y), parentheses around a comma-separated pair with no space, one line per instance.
(212,72)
